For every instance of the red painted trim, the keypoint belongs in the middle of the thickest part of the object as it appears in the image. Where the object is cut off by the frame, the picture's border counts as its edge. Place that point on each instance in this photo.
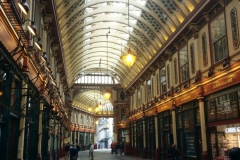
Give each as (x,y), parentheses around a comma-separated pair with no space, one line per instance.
(223,122)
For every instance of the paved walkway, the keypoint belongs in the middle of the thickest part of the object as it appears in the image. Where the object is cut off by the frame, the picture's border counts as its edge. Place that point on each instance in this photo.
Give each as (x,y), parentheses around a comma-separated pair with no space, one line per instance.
(104,154)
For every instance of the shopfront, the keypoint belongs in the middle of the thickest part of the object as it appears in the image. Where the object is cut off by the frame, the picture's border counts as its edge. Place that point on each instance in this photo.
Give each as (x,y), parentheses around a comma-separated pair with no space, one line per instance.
(139,138)
(150,137)
(165,130)
(223,122)
(188,130)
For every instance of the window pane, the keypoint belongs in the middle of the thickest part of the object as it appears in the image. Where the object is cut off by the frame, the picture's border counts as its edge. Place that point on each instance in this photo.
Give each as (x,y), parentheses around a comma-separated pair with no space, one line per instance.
(184,64)
(189,121)
(211,110)
(163,80)
(218,33)
(227,106)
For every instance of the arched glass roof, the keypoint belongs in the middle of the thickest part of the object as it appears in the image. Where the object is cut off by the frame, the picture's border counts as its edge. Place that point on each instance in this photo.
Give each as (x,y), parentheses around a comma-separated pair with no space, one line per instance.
(94,29)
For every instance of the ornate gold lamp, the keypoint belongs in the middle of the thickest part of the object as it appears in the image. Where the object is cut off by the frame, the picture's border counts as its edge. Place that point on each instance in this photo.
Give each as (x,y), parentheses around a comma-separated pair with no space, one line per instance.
(107,94)
(129,58)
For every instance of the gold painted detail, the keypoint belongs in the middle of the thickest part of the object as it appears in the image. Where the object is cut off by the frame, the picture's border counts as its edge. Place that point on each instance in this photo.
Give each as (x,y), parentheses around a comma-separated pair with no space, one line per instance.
(229,80)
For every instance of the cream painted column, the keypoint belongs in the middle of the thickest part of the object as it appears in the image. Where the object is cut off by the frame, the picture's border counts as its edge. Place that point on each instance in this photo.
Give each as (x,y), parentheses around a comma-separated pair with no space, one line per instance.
(156,129)
(22,125)
(40,130)
(115,129)
(71,137)
(174,126)
(203,124)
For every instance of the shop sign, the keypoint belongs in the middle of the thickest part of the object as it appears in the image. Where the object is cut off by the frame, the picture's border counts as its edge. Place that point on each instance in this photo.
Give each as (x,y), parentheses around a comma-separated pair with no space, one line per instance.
(232,130)
(226,107)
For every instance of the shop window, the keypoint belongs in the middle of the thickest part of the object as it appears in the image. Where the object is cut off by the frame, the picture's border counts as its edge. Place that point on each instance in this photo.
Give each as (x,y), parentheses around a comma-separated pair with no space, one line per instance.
(149,95)
(219,39)
(179,120)
(223,107)
(163,80)
(183,55)
(160,132)
(123,113)
(180,140)
(198,116)
(226,106)
(189,121)
(166,123)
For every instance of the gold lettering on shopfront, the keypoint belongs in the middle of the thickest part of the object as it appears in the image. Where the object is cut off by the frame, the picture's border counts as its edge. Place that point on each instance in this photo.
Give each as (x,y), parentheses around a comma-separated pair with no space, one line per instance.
(185,98)
(219,84)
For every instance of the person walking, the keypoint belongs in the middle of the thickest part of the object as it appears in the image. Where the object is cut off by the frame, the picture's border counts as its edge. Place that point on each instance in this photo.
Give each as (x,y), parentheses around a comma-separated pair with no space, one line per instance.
(90,144)
(121,148)
(116,148)
(112,147)
(91,149)
(67,149)
(73,153)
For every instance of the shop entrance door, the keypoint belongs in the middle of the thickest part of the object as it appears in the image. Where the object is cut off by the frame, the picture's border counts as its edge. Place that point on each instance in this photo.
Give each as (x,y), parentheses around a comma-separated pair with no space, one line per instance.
(12,139)
(166,143)
(198,141)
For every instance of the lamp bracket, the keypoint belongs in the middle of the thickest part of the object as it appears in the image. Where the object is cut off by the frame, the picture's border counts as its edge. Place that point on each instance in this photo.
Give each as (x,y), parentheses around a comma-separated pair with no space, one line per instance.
(15,50)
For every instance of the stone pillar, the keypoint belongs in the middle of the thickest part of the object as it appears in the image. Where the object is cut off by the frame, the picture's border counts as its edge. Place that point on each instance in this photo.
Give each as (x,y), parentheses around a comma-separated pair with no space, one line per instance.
(174,127)
(144,155)
(40,133)
(71,137)
(22,125)
(156,135)
(203,128)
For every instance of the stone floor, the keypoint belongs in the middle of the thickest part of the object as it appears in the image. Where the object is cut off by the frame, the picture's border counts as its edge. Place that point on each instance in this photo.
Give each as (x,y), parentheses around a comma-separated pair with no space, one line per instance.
(104,154)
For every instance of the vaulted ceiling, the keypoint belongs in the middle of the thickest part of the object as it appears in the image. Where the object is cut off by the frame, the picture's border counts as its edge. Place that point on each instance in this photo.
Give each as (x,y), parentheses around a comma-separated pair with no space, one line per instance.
(91,30)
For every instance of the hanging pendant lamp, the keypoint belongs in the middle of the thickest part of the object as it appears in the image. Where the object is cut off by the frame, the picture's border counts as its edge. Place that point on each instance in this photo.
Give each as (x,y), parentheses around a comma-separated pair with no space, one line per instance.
(107,93)
(129,58)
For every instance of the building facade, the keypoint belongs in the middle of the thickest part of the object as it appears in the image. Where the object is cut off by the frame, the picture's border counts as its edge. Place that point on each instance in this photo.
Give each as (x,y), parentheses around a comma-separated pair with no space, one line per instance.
(189,94)
(190,97)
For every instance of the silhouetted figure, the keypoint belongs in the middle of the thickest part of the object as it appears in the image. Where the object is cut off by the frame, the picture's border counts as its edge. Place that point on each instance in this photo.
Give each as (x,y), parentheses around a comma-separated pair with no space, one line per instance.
(67,149)
(73,153)
(234,153)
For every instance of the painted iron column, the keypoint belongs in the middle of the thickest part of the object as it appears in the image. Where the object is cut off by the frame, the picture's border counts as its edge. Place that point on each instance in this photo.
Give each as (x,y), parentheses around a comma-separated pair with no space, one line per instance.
(40,132)
(203,128)
(22,125)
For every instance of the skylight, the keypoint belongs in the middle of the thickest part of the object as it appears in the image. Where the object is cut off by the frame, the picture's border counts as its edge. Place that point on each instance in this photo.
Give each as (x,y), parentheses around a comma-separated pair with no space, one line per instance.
(119,4)
(87,19)
(87,34)
(142,2)
(87,27)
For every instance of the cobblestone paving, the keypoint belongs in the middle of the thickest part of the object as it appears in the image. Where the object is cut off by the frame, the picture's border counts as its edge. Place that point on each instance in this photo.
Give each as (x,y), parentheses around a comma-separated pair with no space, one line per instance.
(104,154)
